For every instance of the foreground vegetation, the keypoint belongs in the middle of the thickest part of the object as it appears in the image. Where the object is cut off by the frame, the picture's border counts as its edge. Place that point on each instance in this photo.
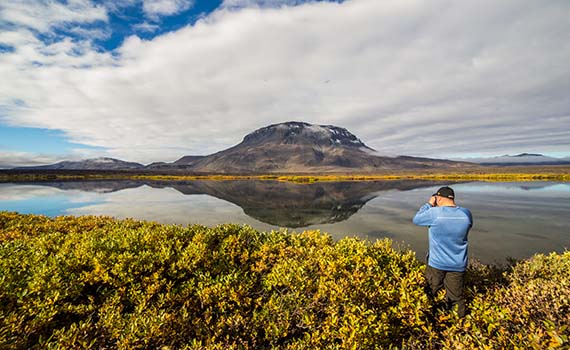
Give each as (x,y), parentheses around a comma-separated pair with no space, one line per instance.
(100,283)
(513,173)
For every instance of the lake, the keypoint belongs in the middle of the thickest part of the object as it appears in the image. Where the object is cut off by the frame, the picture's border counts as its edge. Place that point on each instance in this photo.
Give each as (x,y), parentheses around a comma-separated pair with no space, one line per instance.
(511,220)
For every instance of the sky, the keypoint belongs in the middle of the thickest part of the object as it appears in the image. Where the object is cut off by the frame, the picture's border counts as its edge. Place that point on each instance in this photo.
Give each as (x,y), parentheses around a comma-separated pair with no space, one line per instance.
(155,80)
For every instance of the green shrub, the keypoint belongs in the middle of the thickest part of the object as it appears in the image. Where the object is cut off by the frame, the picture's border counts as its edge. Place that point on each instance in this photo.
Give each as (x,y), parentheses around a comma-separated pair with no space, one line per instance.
(99,283)
(530,311)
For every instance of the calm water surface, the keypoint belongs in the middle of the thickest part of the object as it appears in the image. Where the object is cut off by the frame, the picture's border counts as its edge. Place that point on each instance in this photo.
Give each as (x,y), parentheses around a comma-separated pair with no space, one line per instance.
(512,220)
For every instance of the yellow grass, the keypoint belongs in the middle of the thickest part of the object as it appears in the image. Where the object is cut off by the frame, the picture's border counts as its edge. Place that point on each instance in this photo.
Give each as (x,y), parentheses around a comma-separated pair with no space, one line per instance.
(559,174)
(454,176)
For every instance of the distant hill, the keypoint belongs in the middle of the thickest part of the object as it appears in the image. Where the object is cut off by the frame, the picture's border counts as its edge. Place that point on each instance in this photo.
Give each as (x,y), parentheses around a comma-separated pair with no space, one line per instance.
(519,159)
(89,164)
(299,147)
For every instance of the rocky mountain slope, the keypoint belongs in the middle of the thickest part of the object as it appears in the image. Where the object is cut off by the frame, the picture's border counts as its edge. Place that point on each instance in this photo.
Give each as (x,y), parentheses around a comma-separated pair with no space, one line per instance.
(298,147)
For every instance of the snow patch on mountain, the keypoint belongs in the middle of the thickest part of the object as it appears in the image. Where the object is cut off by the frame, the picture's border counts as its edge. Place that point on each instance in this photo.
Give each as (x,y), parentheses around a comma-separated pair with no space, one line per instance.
(301,132)
(317,129)
(103,160)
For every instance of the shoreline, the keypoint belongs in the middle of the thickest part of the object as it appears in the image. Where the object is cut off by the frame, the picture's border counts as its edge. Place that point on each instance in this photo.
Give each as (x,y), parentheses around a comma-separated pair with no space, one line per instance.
(491,174)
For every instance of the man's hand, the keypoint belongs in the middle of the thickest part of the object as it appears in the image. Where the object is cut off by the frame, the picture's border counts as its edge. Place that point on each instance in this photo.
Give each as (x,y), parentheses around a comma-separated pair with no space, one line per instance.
(433,201)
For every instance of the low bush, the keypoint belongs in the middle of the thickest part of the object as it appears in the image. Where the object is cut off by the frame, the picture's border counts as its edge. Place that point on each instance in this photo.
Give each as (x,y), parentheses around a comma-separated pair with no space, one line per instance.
(531,310)
(100,283)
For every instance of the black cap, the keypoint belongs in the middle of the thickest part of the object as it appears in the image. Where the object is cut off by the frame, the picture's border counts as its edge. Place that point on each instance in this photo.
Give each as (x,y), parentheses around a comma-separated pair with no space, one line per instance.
(445,192)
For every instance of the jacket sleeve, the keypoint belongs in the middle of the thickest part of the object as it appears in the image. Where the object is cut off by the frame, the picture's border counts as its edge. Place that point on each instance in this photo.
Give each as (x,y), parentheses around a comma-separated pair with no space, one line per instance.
(424,216)
(470,218)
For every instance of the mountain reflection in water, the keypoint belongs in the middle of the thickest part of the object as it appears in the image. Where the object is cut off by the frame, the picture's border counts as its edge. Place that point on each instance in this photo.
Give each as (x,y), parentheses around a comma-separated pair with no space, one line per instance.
(276,203)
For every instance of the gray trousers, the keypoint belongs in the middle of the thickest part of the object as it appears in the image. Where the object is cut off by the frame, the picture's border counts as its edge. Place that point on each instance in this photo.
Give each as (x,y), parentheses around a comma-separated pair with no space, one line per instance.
(453,283)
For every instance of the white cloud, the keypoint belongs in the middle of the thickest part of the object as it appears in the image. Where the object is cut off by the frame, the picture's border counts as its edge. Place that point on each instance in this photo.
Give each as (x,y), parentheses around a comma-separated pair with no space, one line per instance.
(42,15)
(91,33)
(24,20)
(156,8)
(26,64)
(407,77)
(17,38)
(238,4)
(10,192)
(10,160)
(146,27)
(117,6)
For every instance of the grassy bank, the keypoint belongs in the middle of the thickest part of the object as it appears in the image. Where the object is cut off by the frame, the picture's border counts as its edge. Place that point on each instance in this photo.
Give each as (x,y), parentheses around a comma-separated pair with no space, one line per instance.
(100,283)
(530,173)
(491,177)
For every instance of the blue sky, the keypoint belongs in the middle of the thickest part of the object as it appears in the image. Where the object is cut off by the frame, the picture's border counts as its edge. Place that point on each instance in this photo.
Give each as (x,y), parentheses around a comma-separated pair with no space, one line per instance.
(121,22)
(154,80)
(132,20)
(33,139)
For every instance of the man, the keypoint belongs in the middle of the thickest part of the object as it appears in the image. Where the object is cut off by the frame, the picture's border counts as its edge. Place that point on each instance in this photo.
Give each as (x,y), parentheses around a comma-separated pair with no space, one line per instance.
(448,225)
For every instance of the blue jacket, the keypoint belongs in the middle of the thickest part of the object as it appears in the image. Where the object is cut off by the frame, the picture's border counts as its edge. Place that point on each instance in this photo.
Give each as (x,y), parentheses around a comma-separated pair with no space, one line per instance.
(448,229)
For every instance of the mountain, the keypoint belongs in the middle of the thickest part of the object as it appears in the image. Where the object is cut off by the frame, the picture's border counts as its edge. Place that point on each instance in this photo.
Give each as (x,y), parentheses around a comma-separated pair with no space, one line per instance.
(299,147)
(89,164)
(290,147)
(188,160)
(520,159)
